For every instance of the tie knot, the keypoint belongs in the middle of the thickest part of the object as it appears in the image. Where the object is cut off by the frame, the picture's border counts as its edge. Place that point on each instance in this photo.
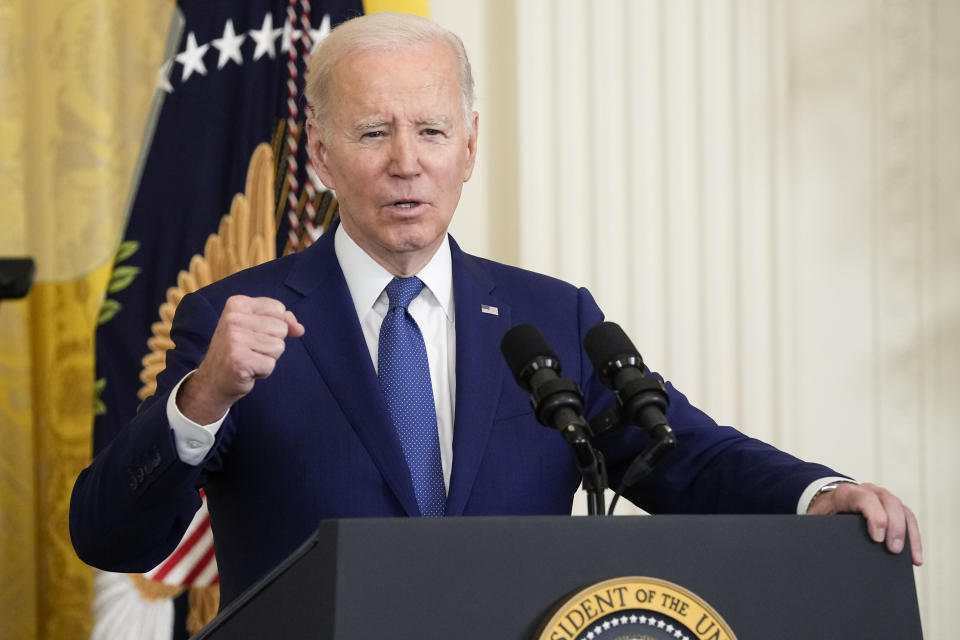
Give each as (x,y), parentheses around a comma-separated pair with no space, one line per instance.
(401,291)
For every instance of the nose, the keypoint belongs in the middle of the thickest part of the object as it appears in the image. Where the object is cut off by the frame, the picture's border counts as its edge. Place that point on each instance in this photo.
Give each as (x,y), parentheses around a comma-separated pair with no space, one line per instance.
(404,155)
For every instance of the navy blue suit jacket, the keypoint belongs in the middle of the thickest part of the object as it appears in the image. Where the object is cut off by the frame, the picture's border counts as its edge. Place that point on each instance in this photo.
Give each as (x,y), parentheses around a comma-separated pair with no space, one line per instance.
(314,441)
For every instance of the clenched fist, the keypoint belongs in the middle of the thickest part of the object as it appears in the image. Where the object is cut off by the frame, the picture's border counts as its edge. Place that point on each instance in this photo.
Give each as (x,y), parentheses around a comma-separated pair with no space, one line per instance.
(245,346)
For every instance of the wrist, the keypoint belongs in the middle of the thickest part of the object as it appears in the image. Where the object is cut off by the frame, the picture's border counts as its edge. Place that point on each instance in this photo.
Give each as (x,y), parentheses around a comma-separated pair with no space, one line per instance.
(830,487)
(197,403)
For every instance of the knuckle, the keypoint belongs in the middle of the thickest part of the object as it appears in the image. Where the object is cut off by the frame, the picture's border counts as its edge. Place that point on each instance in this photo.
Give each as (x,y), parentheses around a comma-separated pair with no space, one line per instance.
(230,318)
(237,301)
(271,306)
(869,487)
(869,504)
(267,368)
(882,518)
(276,327)
(234,339)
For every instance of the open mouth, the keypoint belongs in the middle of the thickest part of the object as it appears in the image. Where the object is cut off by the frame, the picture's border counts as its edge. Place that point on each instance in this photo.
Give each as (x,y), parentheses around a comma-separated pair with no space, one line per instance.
(406,204)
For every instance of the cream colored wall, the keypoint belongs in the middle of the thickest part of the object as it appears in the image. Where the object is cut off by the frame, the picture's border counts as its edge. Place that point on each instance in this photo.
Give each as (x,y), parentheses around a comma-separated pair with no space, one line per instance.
(764,194)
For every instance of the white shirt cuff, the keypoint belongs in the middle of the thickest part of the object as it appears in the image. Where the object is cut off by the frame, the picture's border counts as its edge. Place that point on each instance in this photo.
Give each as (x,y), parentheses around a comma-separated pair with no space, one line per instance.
(193,441)
(804,502)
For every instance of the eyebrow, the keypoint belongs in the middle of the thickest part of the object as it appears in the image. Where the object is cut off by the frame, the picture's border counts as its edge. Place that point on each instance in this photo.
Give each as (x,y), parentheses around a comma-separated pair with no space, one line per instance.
(370,125)
(434,122)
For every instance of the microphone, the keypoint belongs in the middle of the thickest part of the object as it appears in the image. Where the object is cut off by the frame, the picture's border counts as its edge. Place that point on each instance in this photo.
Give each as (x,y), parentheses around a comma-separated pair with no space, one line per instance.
(557,403)
(643,400)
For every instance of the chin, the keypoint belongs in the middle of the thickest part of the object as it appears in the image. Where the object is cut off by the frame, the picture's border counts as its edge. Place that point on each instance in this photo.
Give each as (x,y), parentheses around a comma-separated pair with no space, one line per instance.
(414,237)
(408,245)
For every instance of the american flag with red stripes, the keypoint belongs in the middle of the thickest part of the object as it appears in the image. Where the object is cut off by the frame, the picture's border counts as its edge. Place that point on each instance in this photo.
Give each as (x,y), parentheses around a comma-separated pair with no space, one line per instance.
(193,562)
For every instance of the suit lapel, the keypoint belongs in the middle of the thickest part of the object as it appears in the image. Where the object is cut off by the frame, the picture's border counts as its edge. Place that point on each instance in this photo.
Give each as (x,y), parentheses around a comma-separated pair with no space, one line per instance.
(335,343)
(479,371)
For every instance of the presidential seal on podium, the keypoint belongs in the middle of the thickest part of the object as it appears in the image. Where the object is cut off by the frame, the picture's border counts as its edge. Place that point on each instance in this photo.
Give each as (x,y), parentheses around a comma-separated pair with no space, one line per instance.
(634,608)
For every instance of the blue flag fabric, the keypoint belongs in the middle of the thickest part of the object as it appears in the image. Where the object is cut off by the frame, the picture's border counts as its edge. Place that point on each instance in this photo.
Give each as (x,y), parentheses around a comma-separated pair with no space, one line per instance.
(233,81)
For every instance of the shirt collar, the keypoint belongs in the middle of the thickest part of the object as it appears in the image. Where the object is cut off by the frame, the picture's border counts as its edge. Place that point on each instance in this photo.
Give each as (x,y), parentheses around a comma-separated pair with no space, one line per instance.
(366,279)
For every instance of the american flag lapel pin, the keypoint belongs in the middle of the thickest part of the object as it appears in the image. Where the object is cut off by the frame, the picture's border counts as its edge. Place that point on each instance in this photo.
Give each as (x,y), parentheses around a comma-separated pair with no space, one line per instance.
(486,308)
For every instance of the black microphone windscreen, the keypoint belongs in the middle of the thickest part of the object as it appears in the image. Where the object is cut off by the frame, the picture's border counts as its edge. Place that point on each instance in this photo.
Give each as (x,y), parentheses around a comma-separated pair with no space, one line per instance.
(522,345)
(605,342)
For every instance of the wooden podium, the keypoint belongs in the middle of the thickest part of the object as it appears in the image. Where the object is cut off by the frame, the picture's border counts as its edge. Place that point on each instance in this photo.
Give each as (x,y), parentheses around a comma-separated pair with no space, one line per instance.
(768,577)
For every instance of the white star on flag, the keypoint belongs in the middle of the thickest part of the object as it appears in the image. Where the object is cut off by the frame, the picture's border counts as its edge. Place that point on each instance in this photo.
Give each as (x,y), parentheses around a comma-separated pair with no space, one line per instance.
(229,45)
(163,77)
(317,35)
(290,35)
(192,58)
(265,38)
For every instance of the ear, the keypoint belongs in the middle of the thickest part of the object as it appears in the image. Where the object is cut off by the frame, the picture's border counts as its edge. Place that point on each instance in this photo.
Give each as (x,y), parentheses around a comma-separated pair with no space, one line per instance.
(317,150)
(471,147)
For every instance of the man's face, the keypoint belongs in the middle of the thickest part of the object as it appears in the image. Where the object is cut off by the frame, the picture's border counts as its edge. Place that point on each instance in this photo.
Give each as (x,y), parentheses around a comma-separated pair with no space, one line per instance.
(396,150)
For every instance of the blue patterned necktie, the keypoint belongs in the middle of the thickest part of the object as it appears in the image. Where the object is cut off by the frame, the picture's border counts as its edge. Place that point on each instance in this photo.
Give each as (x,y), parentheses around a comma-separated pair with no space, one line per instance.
(405,380)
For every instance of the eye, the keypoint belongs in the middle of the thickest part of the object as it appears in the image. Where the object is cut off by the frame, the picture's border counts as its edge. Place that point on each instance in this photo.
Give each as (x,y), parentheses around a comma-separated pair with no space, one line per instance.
(373,134)
(432,132)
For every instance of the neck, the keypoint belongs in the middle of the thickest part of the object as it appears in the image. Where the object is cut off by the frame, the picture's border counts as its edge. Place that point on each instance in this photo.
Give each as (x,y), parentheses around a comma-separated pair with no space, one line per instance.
(405,268)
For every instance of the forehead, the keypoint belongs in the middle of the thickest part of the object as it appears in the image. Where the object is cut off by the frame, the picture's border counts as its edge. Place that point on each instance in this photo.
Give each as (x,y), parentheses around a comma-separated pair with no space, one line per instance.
(420,80)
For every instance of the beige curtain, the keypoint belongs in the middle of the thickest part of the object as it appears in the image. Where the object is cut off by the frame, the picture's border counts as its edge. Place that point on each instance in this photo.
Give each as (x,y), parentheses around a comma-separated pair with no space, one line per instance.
(76,81)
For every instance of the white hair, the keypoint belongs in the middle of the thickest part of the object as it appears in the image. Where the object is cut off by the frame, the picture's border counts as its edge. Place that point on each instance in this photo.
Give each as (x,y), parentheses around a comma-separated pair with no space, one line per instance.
(381,31)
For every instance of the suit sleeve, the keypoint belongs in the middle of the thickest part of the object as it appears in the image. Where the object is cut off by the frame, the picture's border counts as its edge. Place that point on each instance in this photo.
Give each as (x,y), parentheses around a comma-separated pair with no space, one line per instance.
(714,469)
(130,507)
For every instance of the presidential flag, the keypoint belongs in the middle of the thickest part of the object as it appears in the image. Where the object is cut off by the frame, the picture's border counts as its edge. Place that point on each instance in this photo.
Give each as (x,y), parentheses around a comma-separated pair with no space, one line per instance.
(231,80)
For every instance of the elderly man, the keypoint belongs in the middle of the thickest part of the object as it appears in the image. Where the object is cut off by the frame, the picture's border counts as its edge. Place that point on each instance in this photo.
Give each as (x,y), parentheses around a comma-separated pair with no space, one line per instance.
(361,377)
